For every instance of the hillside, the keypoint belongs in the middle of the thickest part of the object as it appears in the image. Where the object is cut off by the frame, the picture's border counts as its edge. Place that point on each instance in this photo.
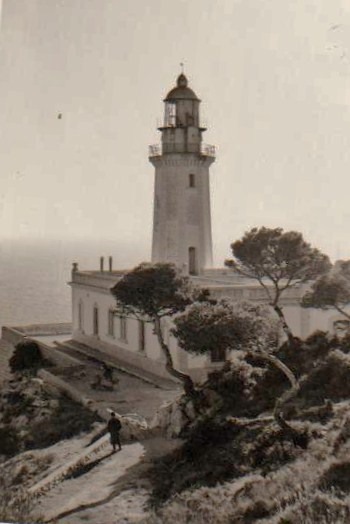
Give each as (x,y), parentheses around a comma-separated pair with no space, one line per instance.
(232,463)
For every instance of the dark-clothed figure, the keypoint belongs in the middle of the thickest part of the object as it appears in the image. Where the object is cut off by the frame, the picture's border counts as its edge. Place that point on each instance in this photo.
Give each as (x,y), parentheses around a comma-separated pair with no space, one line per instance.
(108,375)
(114,426)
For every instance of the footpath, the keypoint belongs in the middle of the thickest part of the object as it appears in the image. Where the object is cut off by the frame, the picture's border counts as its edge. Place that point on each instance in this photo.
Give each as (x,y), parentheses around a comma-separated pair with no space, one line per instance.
(86,488)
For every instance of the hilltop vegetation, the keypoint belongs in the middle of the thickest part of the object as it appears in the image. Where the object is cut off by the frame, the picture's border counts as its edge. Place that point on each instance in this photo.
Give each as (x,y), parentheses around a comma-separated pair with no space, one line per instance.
(237,465)
(265,438)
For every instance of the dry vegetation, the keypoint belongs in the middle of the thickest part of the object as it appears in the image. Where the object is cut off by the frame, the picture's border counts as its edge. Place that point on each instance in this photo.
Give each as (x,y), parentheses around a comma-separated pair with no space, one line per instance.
(235,468)
(33,415)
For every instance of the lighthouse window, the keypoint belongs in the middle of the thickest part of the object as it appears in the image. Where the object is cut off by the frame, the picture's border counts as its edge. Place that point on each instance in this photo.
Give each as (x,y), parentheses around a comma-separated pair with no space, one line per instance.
(192,261)
(192,180)
(170,115)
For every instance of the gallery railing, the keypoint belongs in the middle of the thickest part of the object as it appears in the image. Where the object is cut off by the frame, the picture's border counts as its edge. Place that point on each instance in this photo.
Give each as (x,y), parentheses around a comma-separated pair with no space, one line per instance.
(163,149)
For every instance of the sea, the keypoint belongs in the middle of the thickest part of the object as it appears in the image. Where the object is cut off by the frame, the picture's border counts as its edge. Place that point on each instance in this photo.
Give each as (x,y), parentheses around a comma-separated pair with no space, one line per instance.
(34,274)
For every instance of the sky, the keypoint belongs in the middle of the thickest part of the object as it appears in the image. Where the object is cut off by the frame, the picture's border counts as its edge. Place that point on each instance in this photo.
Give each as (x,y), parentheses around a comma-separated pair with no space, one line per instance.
(81,90)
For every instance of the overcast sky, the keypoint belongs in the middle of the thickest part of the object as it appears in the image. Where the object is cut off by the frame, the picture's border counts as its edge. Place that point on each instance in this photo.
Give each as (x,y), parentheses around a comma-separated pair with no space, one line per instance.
(274,79)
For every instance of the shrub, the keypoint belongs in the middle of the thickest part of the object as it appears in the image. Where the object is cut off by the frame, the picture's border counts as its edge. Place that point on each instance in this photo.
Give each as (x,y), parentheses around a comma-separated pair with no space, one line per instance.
(337,478)
(207,457)
(317,507)
(329,380)
(27,356)
(16,505)
(9,441)
(69,419)
(218,451)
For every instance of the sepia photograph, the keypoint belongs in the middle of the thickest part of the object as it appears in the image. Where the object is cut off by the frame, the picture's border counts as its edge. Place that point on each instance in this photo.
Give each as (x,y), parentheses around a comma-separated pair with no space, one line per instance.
(174,262)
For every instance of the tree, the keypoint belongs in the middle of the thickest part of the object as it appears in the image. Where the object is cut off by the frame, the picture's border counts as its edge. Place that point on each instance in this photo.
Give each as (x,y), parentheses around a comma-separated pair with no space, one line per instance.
(278,260)
(232,327)
(26,357)
(205,326)
(331,291)
(151,292)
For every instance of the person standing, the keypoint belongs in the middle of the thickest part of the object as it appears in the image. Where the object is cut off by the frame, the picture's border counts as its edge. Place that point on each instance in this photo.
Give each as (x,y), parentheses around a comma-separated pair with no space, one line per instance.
(114,426)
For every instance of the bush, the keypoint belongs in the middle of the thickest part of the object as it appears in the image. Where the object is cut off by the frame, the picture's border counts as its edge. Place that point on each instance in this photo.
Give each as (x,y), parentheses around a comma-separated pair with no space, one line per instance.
(27,356)
(317,507)
(68,420)
(336,479)
(329,380)
(217,451)
(16,505)
(205,458)
(9,441)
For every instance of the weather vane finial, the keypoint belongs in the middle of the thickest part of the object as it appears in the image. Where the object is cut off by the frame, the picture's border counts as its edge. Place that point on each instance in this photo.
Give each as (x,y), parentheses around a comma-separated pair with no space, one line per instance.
(182,65)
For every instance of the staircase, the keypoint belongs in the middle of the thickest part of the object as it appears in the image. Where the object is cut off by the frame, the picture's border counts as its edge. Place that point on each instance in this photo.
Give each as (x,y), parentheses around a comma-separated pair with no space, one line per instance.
(59,474)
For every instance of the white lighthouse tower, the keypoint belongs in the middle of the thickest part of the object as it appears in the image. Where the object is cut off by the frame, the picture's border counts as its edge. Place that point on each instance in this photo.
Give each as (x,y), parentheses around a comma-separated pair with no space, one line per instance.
(181,222)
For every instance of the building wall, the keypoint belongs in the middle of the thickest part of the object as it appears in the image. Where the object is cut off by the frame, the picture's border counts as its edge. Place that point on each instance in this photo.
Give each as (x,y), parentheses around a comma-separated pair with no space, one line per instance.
(302,322)
(105,303)
(128,350)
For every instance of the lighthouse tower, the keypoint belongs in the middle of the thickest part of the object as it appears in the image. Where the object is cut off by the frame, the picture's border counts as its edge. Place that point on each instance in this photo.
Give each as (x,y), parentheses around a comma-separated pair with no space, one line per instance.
(181,222)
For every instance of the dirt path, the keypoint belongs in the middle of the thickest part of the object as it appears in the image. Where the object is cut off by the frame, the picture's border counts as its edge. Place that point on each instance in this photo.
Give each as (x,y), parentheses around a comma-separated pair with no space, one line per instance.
(129,394)
(113,488)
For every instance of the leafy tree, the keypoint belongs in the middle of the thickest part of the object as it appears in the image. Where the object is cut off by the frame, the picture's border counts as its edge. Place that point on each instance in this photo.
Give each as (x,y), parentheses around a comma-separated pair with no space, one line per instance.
(232,327)
(151,292)
(278,260)
(26,356)
(331,291)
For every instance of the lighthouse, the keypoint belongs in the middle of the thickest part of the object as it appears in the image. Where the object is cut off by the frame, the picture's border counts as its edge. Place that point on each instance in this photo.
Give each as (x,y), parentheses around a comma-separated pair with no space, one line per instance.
(181,217)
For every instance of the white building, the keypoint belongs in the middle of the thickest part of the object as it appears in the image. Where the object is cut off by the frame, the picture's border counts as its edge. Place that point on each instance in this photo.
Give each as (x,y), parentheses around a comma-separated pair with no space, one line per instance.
(181,235)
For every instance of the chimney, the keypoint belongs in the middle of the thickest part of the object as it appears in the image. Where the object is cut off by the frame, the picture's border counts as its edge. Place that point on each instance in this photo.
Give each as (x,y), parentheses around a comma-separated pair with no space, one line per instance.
(102,260)
(110,260)
(75,267)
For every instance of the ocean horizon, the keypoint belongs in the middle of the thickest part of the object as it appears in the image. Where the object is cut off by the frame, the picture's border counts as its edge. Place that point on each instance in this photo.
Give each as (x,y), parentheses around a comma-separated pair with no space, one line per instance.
(34,275)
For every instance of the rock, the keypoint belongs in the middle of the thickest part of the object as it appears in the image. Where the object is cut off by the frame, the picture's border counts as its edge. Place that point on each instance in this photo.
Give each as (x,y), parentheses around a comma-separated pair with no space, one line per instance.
(190,411)
(177,422)
(161,419)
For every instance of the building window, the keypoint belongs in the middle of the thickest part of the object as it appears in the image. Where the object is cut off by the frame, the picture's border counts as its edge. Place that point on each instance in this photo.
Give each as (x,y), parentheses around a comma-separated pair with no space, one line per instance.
(191,180)
(142,337)
(123,329)
(111,322)
(218,355)
(95,321)
(81,316)
(192,261)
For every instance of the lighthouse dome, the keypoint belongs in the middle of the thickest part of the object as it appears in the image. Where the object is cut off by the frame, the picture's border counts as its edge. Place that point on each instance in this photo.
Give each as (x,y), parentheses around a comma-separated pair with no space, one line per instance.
(181,91)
